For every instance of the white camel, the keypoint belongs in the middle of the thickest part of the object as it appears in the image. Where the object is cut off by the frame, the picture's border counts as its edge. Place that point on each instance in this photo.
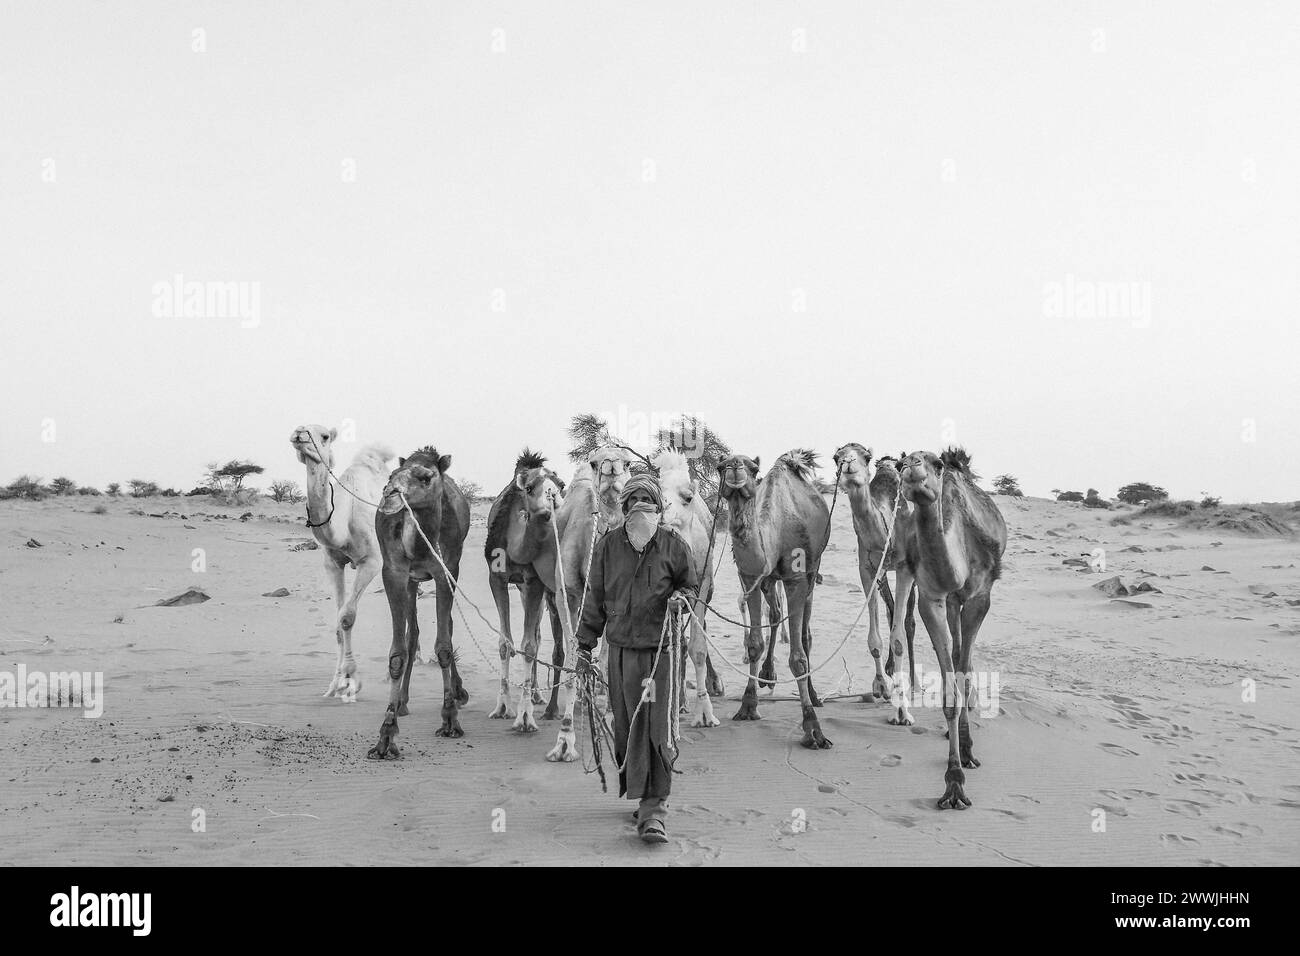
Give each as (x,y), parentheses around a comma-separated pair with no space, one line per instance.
(345,529)
(687,514)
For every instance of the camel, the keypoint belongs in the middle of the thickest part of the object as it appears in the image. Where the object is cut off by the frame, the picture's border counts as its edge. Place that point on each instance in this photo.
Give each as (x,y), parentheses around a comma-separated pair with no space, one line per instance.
(687,514)
(779,529)
(954,550)
(872,492)
(440,513)
(522,519)
(590,509)
(344,527)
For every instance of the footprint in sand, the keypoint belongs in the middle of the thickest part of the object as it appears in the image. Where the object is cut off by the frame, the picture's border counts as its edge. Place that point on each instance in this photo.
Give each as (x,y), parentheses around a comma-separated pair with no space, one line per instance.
(891,760)
(1177,838)
(1117,750)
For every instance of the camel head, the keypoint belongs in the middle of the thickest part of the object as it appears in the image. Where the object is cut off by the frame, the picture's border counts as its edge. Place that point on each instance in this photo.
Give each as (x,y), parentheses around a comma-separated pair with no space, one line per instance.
(738,477)
(314,443)
(922,474)
(853,466)
(419,478)
(679,490)
(542,492)
(610,470)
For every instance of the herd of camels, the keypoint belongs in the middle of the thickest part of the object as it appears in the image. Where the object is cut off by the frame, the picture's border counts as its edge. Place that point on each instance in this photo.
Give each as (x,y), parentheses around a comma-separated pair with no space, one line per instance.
(920,516)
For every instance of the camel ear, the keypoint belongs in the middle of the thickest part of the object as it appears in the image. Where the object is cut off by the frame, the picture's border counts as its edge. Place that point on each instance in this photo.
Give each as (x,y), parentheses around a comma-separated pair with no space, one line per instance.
(401,463)
(519,481)
(334,433)
(444,463)
(757,462)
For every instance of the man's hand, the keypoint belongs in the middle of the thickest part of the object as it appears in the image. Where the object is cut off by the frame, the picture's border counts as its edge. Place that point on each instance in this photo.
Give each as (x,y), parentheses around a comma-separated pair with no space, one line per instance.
(583,666)
(680,601)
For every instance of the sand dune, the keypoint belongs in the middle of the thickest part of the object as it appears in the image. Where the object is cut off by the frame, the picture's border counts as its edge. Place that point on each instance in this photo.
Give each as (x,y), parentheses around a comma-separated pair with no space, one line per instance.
(1131,706)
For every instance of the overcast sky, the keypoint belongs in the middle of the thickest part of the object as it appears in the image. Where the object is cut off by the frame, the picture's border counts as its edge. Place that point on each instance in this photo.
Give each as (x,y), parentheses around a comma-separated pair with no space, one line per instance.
(808,223)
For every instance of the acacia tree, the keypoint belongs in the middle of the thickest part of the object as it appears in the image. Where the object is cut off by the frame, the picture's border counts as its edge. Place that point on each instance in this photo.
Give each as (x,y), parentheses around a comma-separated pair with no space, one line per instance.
(63,486)
(1140,491)
(230,476)
(1007,485)
(285,490)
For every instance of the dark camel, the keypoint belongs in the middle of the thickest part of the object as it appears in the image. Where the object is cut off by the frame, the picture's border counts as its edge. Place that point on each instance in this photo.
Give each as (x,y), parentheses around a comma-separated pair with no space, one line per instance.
(443,516)
(778,531)
(514,543)
(954,549)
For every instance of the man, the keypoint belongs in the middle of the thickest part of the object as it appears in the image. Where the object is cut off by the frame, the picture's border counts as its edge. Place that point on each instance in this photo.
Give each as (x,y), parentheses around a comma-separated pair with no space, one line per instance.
(637,572)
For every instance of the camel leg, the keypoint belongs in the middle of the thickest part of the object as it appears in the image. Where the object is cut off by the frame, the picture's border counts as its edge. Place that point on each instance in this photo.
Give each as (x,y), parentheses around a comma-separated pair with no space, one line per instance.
(800,609)
(401,602)
(413,649)
(335,572)
(350,684)
(698,652)
(566,741)
(557,657)
(903,685)
(882,688)
(807,643)
(533,592)
(453,688)
(767,675)
(888,597)
(505,645)
(934,614)
(753,651)
(972,617)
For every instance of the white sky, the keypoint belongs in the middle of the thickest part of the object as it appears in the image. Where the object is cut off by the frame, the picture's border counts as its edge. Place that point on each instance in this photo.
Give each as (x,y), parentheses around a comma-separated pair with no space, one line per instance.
(919,176)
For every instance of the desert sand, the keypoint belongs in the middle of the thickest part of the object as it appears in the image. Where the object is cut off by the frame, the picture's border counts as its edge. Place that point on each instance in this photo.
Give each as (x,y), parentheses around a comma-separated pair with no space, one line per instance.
(1132,707)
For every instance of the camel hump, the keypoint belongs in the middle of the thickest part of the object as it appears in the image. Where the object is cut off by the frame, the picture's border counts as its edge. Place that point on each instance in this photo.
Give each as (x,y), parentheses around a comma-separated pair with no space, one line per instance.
(802,462)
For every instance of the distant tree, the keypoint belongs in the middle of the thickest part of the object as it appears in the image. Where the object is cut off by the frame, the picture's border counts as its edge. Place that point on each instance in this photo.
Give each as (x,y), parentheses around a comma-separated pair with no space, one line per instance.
(230,476)
(63,486)
(170,493)
(1139,492)
(114,489)
(143,489)
(1007,485)
(1068,495)
(1095,500)
(285,490)
(26,486)
(589,432)
(472,490)
(88,490)
(1209,501)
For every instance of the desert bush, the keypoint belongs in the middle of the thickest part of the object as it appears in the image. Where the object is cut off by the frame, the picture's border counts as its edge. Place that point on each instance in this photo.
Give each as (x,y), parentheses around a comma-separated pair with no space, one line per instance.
(63,486)
(1140,492)
(200,490)
(1068,495)
(100,509)
(285,490)
(170,493)
(25,486)
(1209,501)
(1007,485)
(1095,500)
(88,490)
(114,489)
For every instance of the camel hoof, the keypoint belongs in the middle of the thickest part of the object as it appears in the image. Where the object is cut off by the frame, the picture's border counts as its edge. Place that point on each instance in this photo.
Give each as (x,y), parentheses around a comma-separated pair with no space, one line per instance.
(813,738)
(502,712)
(882,688)
(767,676)
(565,749)
(538,699)
(449,728)
(968,761)
(403,710)
(551,712)
(702,721)
(524,723)
(384,751)
(954,798)
(903,719)
(748,710)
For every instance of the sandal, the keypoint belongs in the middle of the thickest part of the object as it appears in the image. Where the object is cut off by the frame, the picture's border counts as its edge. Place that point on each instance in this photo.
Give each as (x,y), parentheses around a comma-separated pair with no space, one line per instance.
(654,832)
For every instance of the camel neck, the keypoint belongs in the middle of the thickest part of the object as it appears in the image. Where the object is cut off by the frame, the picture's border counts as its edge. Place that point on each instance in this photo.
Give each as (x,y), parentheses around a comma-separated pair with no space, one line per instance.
(321,502)
(933,540)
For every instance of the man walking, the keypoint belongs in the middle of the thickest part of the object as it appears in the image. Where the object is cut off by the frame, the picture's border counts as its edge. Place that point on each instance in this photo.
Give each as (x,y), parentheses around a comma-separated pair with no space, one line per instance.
(637,572)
